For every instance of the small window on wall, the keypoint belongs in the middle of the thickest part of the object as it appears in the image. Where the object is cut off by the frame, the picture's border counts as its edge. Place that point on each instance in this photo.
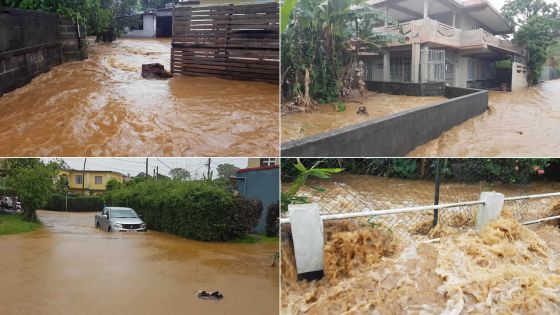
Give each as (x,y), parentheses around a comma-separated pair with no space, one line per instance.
(98,180)
(79,179)
(268,162)
(380,66)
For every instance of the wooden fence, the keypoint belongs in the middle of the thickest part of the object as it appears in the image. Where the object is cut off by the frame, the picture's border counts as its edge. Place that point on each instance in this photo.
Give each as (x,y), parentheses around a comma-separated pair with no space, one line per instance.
(231,41)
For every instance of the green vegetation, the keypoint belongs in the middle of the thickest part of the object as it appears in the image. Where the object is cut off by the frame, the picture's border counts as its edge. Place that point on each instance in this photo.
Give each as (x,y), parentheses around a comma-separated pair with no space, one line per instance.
(320,43)
(32,181)
(272,217)
(201,210)
(226,170)
(303,173)
(504,64)
(75,203)
(538,27)
(15,224)
(339,106)
(179,174)
(256,238)
(463,170)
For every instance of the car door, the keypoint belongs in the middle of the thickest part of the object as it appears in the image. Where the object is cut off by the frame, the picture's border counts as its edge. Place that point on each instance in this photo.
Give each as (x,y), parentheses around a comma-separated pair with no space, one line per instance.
(104,222)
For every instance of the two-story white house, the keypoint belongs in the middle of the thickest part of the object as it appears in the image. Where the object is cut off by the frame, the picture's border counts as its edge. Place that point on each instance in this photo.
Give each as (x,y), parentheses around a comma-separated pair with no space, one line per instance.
(449,41)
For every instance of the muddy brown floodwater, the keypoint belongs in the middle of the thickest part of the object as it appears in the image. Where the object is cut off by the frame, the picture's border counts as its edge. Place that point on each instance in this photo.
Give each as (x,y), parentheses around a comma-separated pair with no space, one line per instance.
(70,267)
(103,107)
(300,125)
(523,123)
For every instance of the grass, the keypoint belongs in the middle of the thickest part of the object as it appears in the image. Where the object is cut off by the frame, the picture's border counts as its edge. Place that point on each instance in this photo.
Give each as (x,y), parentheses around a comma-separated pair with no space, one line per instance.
(256,238)
(15,224)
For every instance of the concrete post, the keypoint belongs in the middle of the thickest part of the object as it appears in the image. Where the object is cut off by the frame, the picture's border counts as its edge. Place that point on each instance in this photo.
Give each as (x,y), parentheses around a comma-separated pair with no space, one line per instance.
(387,66)
(415,63)
(308,239)
(490,210)
(454,22)
(386,11)
(426,8)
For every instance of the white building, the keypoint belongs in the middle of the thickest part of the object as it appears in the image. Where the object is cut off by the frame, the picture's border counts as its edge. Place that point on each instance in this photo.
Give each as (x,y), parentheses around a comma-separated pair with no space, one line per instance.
(448,40)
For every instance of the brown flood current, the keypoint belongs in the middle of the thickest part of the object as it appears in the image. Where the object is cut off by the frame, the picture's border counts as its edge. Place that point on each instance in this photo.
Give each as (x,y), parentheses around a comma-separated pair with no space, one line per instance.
(300,125)
(70,267)
(523,123)
(103,107)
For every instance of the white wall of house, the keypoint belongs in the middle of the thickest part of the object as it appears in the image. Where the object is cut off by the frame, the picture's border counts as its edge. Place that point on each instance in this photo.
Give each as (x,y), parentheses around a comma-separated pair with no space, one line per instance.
(148,30)
(518,76)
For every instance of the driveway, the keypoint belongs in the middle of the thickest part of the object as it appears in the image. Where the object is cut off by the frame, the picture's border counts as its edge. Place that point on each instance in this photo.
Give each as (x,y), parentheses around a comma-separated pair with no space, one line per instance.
(70,267)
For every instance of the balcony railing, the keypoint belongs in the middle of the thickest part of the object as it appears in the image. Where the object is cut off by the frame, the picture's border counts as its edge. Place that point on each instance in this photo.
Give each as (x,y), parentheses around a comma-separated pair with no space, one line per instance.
(428,30)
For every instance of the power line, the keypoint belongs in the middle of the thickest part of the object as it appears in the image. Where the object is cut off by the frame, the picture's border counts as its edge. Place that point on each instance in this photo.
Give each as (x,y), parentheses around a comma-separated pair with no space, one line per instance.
(164,164)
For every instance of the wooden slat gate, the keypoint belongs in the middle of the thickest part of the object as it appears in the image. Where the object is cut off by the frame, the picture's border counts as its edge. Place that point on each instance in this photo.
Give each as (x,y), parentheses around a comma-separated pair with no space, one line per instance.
(231,41)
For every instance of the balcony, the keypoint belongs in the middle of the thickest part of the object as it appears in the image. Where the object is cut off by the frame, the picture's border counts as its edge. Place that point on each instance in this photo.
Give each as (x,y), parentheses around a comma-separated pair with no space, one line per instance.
(439,34)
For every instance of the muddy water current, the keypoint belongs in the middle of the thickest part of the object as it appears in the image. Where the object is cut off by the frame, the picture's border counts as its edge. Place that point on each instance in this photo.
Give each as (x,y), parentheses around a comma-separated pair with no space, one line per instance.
(523,123)
(103,107)
(70,267)
(300,125)
(507,268)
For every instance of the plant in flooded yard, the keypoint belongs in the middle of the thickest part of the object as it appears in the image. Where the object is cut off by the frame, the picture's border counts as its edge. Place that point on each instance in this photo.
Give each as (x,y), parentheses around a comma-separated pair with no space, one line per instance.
(339,106)
(320,47)
(291,196)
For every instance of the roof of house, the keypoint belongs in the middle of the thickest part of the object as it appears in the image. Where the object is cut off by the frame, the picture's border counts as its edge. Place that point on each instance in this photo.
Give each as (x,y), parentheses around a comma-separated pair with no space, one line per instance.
(93,171)
(260,168)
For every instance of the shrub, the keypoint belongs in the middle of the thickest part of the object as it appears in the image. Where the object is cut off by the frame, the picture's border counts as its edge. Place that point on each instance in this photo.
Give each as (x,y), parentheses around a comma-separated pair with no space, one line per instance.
(272,219)
(75,203)
(200,210)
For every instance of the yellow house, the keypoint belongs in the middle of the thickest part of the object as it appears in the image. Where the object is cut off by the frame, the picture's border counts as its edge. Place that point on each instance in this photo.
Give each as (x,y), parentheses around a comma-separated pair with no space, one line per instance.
(93,182)
(259,162)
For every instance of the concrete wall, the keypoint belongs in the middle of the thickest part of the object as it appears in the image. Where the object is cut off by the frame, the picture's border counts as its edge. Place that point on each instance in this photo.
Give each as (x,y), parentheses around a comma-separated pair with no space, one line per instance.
(518,76)
(148,28)
(406,88)
(394,135)
(31,43)
(263,184)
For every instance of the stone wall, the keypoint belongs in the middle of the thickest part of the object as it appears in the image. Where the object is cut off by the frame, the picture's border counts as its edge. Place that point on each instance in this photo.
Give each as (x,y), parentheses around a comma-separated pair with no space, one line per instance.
(394,135)
(33,42)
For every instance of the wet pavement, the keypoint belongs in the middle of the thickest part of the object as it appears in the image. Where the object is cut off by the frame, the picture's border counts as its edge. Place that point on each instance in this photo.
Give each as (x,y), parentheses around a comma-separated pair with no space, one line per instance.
(70,267)
(301,125)
(521,124)
(103,107)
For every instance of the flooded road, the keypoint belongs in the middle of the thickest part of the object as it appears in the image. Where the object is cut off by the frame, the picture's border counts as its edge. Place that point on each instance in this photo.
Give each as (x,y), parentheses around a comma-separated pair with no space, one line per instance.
(521,124)
(69,267)
(103,107)
(300,125)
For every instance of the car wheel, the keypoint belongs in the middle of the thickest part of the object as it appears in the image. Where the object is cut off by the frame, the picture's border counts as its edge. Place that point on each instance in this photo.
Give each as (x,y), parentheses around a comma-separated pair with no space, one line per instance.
(97,224)
(109,228)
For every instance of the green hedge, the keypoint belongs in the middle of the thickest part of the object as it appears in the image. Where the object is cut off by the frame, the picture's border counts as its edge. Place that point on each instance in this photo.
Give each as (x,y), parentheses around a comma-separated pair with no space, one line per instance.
(272,219)
(75,203)
(199,210)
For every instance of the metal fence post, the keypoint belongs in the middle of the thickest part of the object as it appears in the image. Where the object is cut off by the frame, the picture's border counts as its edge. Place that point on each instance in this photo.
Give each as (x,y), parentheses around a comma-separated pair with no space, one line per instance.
(490,210)
(308,240)
(436,195)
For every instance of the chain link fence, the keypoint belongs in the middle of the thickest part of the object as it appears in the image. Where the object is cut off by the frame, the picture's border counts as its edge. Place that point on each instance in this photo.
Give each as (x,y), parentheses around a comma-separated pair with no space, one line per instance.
(383,184)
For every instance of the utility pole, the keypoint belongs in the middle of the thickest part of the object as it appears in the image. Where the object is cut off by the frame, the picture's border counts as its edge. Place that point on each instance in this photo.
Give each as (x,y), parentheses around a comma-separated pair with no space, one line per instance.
(157,172)
(209,171)
(436,195)
(146,169)
(84,178)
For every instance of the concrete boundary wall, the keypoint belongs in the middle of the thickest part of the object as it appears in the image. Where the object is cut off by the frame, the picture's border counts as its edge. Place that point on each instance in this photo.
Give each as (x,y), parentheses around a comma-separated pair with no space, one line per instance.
(394,135)
(407,88)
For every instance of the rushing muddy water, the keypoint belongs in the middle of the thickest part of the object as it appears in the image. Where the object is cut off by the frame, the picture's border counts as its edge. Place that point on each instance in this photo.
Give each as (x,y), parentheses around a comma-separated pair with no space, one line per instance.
(103,107)
(523,123)
(504,269)
(70,267)
(300,125)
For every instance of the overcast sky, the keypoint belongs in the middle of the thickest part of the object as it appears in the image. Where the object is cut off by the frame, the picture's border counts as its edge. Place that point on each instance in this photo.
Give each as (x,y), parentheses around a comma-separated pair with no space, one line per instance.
(133,166)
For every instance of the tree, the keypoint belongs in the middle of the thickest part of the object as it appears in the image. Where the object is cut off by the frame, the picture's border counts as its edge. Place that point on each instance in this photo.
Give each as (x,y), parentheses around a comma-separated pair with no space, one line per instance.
(180,174)
(518,12)
(226,170)
(33,183)
(113,184)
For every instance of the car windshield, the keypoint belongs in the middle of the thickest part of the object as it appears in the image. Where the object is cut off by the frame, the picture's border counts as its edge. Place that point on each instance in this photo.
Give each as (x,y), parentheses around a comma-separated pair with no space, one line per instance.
(123,214)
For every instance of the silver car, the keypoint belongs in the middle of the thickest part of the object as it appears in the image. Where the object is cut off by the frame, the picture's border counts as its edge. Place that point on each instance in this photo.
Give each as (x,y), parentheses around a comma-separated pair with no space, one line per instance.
(119,219)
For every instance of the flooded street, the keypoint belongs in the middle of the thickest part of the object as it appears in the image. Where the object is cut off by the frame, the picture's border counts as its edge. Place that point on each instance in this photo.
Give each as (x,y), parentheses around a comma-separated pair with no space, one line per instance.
(300,125)
(70,267)
(103,107)
(521,124)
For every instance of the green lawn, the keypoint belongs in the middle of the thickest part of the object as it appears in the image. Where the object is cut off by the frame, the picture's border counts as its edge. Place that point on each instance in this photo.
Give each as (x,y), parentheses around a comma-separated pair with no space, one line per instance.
(15,224)
(256,238)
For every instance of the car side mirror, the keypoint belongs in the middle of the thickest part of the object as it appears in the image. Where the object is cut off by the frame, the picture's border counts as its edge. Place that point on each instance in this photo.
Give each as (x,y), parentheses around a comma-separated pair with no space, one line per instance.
(140,215)
(106,216)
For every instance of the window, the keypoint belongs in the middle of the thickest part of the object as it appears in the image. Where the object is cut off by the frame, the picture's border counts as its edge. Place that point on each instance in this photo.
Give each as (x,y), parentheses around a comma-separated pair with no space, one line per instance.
(98,180)
(79,179)
(471,70)
(268,162)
